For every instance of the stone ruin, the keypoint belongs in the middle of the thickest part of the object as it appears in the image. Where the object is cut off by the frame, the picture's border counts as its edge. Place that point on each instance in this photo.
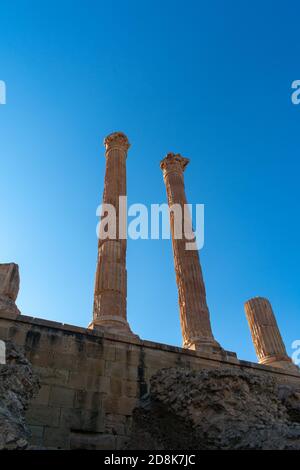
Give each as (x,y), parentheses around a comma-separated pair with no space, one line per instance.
(18,385)
(103,387)
(219,409)
(9,288)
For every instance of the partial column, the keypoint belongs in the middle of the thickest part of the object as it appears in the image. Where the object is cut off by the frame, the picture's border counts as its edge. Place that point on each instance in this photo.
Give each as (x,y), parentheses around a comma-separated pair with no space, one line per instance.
(9,289)
(194,313)
(111,275)
(266,337)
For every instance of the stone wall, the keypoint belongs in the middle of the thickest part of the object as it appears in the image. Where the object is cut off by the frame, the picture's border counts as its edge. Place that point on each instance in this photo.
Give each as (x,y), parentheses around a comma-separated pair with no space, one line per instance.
(91,381)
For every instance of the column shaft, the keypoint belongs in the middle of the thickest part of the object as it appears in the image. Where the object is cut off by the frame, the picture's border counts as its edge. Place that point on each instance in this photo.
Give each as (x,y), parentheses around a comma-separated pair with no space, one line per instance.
(194,313)
(111,275)
(266,337)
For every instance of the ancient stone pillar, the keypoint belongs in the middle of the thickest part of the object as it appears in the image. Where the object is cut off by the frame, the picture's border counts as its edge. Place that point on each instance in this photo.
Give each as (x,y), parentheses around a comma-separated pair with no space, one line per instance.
(266,336)
(194,313)
(111,276)
(9,289)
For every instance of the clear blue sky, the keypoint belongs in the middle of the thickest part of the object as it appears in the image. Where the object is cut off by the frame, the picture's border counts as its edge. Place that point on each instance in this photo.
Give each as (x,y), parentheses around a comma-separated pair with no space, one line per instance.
(210,80)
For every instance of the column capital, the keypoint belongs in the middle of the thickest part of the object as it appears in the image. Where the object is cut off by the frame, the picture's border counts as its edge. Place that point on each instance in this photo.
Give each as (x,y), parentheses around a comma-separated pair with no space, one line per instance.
(174,162)
(116,140)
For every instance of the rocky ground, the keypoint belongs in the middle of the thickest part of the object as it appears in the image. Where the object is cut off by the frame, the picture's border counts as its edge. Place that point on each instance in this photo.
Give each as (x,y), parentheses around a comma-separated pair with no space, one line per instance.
(18,384)
(216,409)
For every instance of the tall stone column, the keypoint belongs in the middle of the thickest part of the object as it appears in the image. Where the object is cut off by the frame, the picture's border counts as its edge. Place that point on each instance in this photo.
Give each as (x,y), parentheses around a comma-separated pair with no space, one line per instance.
(111,275)
(266,337)
(194,314)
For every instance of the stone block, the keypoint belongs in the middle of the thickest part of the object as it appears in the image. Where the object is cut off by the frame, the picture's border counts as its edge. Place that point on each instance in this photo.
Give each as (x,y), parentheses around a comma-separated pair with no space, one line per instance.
(115,369)
(91,366)
(56,438)
(98,383)
(92,421)
(86,400)
(78,345)
(42,397)
(126,405)
(37,435)
(52,376)
(33,337)
(159,359)
(71,418)
(82,420)
(94,349)
(77,380)
(131,373)
(121,442)
(130,388)
(110,404)
(115,424)
(109,352)
(55,341)
(18,332)
(4,333)
(119,405)
(128,355)
(40,358)
(41,415)
(61,396)
(116,386)
(65,361)
(104,385)
(92,441)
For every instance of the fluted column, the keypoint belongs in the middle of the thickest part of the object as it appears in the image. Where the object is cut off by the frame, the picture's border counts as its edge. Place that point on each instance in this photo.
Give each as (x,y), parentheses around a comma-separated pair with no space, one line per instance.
(194,314)
(111,275)
(266,337)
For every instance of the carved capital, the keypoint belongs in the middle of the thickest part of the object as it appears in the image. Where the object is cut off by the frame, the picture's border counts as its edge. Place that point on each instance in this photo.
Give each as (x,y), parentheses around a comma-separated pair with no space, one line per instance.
(116,140)
(173,162)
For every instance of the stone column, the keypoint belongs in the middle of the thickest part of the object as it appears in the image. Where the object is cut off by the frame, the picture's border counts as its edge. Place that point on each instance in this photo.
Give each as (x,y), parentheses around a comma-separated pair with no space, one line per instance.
(9,289)
(111,275)
(266,337)
(194,313)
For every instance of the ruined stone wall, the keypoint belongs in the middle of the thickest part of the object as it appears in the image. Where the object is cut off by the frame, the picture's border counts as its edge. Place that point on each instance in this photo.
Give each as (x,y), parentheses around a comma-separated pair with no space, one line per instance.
(91,382)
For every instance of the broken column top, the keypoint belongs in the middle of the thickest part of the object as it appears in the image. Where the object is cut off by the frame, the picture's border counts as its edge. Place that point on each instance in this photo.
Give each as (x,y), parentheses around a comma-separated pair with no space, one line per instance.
(175,161)
(267,340)
(9,280)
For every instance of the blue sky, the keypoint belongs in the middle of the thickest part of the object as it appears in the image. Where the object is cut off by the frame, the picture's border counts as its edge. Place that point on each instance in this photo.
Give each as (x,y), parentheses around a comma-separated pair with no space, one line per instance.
(211,80)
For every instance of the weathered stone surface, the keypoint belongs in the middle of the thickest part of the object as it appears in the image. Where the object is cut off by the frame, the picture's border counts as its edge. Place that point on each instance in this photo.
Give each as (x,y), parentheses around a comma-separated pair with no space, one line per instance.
(194,314)
(9,280)
(216,409)
(291,400)
(92,441)
(9,288)
(95,378)
(18,384)
(110,298)
(266,337)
